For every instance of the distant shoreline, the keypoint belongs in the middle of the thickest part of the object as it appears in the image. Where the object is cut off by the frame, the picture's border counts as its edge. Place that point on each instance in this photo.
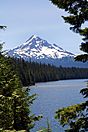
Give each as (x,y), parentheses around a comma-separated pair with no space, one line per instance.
(56,81)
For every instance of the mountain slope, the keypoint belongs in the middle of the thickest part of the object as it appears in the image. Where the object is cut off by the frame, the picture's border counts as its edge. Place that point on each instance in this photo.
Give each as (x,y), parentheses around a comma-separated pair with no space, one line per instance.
(39,50)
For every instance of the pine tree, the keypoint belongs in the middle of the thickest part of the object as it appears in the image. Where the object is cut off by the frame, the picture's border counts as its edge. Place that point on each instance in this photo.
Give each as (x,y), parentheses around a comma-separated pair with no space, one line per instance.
(15,102)
(78,10)
(76,116)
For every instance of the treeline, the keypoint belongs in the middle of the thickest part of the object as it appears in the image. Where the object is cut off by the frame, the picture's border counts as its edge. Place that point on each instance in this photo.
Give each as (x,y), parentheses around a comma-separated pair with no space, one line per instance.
(32,72)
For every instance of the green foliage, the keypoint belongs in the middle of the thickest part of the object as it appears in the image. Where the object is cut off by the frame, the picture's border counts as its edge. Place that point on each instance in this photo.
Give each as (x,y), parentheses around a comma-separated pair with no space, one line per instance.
(70,114)
(84,92)
(83,57)
(76,116)
(78,10)
(12,131)
(31,72)
(0,47)
(78,15)
(84,32)
(15,101)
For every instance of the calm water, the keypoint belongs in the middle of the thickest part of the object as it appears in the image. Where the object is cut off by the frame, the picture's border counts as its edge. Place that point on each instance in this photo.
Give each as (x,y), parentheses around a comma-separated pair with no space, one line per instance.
(54,95)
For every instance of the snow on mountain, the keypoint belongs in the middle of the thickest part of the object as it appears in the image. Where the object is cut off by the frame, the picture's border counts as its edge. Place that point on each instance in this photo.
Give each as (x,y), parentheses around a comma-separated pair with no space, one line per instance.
(39,50)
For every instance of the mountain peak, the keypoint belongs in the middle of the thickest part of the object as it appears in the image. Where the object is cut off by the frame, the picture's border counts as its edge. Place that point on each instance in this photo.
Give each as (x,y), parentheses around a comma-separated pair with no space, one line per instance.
(39,50)
(33,38)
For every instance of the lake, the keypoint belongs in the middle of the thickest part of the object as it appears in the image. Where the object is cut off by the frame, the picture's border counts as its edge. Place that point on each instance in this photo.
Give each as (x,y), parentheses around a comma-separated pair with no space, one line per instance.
(54,95)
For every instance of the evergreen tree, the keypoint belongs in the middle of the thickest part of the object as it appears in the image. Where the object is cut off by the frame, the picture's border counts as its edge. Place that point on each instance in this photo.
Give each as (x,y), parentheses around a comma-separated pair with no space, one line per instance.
(15,102)
(30,73)
(76,116)
(78,10)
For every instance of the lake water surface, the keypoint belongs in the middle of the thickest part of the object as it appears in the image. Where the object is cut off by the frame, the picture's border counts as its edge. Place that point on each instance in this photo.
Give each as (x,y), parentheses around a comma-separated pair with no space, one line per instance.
(52,96)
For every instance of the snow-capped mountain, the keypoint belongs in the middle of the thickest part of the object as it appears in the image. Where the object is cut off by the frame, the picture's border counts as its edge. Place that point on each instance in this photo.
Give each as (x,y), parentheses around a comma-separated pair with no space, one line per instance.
(39,50)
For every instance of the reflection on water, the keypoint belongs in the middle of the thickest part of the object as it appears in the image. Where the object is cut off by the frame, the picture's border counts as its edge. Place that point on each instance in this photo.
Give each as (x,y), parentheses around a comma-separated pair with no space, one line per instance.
(54,95)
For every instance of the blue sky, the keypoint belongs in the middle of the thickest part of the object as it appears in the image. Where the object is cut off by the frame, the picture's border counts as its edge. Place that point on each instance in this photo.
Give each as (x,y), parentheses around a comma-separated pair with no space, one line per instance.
(25,18)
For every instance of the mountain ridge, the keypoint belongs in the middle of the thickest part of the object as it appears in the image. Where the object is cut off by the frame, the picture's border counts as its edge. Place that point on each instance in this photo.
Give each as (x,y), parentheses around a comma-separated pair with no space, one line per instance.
(40,50)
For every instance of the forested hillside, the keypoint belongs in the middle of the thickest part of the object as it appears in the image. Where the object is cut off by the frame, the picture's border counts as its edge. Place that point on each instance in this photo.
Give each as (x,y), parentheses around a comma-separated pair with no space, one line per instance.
(32,72)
